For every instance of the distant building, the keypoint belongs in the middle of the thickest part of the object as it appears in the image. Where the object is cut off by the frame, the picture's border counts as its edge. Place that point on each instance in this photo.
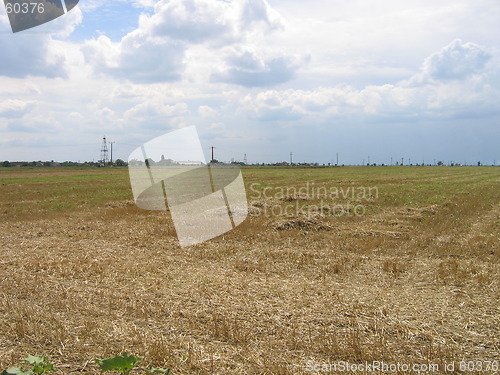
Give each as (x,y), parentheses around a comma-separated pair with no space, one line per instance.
(189,162)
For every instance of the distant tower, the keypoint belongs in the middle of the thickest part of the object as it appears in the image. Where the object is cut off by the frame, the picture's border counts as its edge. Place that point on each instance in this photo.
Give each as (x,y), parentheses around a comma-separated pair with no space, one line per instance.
(213,160)
(245,159)
(104,152)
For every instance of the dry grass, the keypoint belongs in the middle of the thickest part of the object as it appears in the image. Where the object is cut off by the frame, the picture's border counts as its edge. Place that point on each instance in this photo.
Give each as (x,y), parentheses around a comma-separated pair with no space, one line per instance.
(85,274)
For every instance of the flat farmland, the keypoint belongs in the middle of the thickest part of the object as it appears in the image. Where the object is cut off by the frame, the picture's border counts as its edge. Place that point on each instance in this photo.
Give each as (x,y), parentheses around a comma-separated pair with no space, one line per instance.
(352,264)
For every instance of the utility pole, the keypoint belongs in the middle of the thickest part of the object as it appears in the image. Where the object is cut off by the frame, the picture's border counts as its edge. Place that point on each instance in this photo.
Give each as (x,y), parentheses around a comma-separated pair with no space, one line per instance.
(212,154)
(391,160)
(291,158)
(402,162)
(245,159)
(111,161)
(337,159)
(368,159)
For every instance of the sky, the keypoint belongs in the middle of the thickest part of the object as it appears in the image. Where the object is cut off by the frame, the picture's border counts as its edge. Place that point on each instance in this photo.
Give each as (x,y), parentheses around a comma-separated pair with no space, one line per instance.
(376,80)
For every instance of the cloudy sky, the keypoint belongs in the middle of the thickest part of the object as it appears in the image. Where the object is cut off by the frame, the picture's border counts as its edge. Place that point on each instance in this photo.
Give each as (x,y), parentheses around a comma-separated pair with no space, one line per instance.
(376,79)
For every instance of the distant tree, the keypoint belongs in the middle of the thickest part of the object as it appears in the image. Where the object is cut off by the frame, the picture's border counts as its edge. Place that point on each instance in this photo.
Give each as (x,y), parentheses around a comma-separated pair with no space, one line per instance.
(120,163)
(478,163)
(6,164)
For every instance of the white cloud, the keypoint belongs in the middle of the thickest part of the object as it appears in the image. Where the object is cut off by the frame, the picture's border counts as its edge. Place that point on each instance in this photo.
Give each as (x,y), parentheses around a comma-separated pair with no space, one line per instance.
(146,110)
(28,55)
(34,53)
(37,122)
(457,60)
(463,88)
(259,12)
(136,57)
(91,5)
(63,26)
(237,67)
(106,113)
(14,108)
(216,125)
(76,116)
(144,3)
(207,112)
(216,22)
(246,67)
(190,20)
(156,51)
(274,105)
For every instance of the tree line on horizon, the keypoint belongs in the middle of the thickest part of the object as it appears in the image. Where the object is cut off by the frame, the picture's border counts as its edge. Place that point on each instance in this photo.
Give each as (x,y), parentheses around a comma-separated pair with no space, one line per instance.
(52,163)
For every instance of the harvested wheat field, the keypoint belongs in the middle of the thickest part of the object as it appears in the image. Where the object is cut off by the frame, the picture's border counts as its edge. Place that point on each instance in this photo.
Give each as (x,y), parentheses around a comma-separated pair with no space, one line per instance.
(355,264)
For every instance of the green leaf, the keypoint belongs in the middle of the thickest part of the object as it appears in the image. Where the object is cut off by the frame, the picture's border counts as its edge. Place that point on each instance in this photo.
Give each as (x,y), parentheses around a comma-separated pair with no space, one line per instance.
(40,368)
(17,371)
(40,364)
(123,363)
(32,360)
